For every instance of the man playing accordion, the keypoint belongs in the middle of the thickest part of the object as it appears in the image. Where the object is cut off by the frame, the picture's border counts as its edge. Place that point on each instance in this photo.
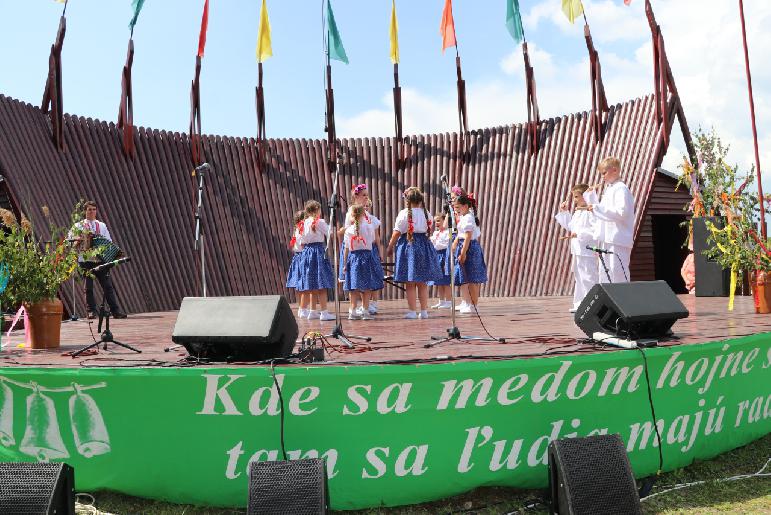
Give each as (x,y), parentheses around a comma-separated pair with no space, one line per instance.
(92,232)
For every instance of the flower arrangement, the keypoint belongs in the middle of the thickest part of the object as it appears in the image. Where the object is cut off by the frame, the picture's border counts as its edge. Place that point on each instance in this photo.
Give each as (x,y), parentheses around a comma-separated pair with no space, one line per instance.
(36,268)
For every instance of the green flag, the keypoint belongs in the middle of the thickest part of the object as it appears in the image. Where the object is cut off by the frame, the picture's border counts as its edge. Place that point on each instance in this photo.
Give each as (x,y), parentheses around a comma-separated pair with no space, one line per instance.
(514,20)
(334,43)
(137,6)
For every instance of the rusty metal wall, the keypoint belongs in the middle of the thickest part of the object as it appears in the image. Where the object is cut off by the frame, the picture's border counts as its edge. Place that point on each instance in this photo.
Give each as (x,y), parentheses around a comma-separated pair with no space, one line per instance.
(148,202)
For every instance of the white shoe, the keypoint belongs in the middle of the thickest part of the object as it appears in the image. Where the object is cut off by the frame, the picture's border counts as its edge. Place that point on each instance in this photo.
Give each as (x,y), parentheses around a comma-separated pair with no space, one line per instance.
(423,315)
(353,314)
(459,307)
(572,310)
(437,305)
(302,313)
(360,310)
(411,315)
(445,304)
(373,307)
(312,314)
(366,316)
(326,315)
(467,309)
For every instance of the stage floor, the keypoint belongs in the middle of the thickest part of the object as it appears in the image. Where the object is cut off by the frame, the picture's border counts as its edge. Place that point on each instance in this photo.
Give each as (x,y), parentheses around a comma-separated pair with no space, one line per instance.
(532,327)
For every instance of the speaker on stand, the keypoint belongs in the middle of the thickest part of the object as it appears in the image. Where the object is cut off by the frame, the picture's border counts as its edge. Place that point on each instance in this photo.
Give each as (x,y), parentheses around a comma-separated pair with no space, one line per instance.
(591,476)
(296,487)
(37,488)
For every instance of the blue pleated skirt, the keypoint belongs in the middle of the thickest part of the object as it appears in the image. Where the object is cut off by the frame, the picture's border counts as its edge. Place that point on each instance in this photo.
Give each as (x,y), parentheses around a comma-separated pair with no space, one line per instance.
(474,269)
(376,257)
(444,259)
(315,270)
(293,275)
(416,261)
(362,273)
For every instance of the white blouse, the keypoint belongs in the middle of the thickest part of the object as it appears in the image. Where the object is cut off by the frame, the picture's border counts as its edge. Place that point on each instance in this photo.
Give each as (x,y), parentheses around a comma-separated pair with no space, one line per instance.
(298,239)
(366,231)
(441,239)
(468,224)
(369,216)
(311,236)
(419,222)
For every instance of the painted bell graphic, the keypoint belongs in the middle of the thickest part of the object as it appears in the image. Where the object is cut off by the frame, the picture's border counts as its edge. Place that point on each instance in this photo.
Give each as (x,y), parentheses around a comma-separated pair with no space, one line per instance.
(6,415)
(91,438)
(42,438)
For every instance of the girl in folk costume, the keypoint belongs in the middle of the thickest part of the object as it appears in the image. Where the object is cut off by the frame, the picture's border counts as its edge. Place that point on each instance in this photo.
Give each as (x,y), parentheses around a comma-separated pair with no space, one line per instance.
(315,275)
(470,265)
(581,227)
(416,259)
(293,276)
(455,193)
(441,242)
(362,274)
(375,253)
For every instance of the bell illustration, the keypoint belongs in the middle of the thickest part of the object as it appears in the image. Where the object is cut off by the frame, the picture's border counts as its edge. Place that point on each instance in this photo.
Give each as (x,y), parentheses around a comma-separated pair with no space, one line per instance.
(87,424)
(42,438)
(6,415)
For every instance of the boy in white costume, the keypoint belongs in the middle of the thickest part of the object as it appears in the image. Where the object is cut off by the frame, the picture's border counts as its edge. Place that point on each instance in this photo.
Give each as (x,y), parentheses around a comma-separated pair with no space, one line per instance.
(615,221)
(581,226)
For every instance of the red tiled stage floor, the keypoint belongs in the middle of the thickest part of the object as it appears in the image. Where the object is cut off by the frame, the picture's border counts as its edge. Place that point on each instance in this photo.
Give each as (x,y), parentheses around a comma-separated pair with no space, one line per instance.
(532,326)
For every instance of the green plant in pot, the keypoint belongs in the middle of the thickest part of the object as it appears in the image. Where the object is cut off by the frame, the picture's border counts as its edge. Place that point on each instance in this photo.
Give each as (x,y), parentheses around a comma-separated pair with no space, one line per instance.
(37,268)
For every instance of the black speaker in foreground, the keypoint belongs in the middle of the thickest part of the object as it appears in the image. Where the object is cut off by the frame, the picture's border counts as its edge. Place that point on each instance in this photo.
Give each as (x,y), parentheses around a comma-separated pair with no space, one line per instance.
(642,309)
(591,475)
(236,328)
(297,487)
(37,488)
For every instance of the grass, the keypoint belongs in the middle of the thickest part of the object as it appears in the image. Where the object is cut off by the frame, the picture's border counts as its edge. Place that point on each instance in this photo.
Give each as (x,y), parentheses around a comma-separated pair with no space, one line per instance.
(745,496)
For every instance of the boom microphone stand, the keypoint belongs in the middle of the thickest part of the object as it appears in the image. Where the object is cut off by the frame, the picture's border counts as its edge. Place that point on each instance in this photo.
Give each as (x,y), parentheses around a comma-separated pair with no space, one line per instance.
(453,333)
(199,244)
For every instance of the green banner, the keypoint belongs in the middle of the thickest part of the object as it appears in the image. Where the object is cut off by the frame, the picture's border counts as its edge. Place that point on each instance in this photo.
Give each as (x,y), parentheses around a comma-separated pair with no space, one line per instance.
(391,434)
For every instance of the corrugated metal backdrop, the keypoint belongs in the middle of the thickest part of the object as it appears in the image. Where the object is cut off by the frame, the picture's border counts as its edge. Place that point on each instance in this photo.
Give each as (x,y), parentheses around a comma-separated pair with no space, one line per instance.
(148,202)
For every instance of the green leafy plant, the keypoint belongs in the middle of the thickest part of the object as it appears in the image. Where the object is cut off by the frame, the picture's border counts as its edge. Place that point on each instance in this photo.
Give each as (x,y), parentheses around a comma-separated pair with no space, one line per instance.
(36,268)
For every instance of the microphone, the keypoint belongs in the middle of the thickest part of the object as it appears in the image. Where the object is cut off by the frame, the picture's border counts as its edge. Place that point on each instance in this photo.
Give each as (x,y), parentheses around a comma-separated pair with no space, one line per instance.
(111,264)
(201,168)
(598,250)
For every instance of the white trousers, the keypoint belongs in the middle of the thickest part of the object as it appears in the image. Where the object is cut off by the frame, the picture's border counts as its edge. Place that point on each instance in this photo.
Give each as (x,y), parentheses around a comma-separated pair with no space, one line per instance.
(585,272)
(617,263)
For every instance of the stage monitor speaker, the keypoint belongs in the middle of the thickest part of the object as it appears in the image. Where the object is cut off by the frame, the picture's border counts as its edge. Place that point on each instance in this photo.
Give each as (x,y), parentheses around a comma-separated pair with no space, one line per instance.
(711,279)
(236,328)
(642,309)
(37,488)
(297,487)
(591,476)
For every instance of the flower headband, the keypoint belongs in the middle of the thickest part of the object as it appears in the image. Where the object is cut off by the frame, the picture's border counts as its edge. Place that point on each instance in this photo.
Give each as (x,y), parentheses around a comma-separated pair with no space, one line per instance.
(358,188)
(457,191)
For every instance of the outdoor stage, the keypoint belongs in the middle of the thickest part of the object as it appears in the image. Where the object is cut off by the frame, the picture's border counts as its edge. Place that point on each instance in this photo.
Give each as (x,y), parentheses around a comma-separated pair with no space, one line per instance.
(532,327)
(425,427)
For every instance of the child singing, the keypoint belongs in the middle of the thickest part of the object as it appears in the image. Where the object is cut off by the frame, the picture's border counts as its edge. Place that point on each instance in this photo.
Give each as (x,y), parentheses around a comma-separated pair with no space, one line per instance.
(293,275)
(581,227)
(315,275)
(470,265)
(441,241)
(362,274)
(416,259)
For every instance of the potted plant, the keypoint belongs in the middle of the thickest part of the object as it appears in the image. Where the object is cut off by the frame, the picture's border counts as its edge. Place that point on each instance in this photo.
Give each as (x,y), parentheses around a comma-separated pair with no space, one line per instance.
(37,269)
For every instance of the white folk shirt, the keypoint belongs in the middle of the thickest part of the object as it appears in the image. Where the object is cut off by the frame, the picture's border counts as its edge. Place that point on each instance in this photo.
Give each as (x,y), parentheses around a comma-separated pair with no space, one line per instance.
(467,223)
(95,227)
(615,216)
(368,217)
(419,222)
(298,241)
(584,225)
(317,236)
(364,239)
(441,239)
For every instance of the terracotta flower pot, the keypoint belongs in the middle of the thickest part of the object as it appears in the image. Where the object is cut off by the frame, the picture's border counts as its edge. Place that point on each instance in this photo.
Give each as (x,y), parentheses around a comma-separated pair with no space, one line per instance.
(45,323)
(762,292)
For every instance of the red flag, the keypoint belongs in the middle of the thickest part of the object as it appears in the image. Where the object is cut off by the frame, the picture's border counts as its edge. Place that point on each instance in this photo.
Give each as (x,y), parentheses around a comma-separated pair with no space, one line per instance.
(447,27)
(204,26)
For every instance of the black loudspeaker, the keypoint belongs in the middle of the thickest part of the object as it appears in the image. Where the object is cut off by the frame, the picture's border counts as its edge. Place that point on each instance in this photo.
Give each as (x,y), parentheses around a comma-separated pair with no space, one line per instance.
(591,476)
(711,279)
(37,488)
(236,328)
(642,309)
(297,487)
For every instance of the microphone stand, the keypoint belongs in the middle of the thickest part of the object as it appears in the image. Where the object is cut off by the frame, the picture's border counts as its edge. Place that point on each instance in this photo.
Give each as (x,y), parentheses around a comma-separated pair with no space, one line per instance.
(453,333)
(602,260)
(199,240)
(334,222)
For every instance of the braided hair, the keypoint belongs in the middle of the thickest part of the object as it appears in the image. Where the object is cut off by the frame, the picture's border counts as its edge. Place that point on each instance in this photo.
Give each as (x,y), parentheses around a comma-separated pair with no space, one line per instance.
(414,197)
(357,212)
(468,199)
(312,210)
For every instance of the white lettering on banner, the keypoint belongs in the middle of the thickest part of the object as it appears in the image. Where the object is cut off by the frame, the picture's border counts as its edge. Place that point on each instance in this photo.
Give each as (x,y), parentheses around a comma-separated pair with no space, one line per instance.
(768,359)
(573,385)
(508,387)
(551,394)
(234,455)
(263,401)
(467,387)
(376,458)
(214,392)
(760,409)
(464,464)
(384,404)
(620,375)
(732,364)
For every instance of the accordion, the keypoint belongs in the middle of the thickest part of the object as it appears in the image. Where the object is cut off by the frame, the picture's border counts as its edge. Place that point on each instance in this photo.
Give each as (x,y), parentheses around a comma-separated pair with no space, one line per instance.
(106,250)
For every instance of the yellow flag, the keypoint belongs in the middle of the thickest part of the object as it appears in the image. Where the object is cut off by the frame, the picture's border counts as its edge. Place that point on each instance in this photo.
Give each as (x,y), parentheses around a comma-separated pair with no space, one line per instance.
(394,34)
(264,49)
(572,9)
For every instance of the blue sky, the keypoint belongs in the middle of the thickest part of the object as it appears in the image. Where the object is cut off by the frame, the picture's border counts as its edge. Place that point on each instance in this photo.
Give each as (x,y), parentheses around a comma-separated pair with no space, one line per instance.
(705,55)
